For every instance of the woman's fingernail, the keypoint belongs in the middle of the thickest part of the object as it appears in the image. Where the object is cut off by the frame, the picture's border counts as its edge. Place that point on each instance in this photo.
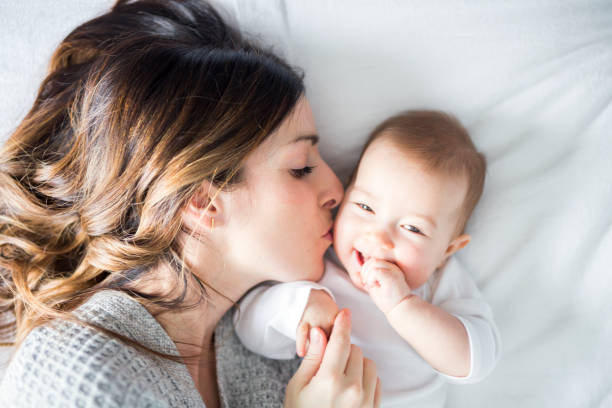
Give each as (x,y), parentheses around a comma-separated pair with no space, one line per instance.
(315,337)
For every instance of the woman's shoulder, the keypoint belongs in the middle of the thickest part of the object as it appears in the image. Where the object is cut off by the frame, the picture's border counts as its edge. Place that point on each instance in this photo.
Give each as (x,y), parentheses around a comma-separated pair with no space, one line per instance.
(66,363)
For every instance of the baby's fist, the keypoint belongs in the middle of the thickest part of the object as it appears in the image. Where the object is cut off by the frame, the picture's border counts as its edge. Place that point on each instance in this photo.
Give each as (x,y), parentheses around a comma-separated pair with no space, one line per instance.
(385,283)
(320,311)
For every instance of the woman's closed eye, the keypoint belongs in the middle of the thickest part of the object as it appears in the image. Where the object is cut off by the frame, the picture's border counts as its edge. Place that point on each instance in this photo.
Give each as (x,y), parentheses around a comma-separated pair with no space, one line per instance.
(299,173)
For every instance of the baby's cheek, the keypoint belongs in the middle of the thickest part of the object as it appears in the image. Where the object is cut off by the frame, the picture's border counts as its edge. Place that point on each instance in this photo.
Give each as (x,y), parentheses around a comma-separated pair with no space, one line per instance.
(414,266)
(343,233)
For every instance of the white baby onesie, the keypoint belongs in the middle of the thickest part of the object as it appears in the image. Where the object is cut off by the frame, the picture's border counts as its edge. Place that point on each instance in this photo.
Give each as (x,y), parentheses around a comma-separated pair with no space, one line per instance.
(269,315)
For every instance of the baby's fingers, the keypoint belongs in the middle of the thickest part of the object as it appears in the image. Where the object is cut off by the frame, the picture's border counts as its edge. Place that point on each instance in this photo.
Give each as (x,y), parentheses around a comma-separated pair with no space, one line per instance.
(371,267)
(367,270)
(373,277)
(374,264)
(301,344)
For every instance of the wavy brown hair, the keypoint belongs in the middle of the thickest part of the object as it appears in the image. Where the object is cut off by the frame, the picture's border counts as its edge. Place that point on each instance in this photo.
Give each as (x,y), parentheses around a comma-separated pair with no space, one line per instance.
(140,106)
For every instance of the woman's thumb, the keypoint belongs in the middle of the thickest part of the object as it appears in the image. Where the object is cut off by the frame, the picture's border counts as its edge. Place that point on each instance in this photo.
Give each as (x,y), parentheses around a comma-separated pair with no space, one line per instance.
(312,360)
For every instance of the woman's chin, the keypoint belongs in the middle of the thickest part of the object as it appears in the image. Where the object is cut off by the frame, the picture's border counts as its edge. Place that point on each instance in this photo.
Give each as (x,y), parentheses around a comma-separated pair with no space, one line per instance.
(318,271)
(313,272)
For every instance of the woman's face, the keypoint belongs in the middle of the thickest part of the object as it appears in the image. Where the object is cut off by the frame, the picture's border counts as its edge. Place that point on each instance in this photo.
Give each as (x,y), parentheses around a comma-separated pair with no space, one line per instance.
(279,219)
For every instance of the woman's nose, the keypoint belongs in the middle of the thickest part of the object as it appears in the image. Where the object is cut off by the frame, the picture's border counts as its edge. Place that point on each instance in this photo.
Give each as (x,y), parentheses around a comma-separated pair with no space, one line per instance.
(332,191)
(331,203)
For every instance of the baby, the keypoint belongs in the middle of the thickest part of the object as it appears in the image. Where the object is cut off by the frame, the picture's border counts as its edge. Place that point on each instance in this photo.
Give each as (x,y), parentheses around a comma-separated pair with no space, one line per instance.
(415,311)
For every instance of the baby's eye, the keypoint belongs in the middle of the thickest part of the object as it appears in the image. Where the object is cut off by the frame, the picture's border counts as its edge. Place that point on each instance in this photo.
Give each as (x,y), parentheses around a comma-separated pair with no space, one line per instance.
(412,228)
(364,207)
(299,173)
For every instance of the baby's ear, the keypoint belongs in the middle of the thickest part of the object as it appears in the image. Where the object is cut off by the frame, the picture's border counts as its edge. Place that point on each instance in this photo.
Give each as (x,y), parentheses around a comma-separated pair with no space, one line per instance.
(456,244)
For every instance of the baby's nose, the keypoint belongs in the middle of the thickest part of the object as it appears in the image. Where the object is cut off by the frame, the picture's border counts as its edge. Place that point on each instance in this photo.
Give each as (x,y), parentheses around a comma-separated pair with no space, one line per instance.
(380,239)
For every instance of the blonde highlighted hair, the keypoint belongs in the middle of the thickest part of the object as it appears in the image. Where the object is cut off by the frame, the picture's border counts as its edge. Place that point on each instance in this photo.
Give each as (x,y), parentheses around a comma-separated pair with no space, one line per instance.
(140,106)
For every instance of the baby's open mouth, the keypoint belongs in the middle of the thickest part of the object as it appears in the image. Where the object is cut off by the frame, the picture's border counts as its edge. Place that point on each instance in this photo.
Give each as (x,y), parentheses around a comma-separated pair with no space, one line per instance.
(361,259)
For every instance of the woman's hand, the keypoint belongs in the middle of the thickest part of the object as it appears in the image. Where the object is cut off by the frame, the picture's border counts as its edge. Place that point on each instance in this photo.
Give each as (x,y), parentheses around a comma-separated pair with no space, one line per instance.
(334,373)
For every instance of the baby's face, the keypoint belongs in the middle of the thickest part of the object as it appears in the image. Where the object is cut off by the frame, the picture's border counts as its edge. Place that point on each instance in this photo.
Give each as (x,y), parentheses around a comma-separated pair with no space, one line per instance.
(397,212)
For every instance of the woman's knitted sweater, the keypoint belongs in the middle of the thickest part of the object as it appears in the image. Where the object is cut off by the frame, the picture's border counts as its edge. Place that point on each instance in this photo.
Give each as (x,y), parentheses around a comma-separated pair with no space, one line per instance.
(68,365)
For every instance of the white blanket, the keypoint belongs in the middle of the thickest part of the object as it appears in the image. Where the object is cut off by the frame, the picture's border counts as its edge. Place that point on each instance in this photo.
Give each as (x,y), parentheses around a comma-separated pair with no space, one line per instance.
(532,80)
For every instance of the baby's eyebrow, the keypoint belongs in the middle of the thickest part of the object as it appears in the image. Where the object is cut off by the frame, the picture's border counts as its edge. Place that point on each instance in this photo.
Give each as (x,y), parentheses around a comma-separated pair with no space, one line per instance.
(361,190)
(314,139)
(427,218)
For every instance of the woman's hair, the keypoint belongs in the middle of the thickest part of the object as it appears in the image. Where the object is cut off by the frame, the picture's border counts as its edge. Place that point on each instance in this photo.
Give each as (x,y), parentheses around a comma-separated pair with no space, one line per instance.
(442,145)
(141,105)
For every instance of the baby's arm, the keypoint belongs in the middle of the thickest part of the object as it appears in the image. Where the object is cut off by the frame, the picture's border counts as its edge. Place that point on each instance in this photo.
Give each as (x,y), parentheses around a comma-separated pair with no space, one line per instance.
(457,294)
(267,318)
(439,337)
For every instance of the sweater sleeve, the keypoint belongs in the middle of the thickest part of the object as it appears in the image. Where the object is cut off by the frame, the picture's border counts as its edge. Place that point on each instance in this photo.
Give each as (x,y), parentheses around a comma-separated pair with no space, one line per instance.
(51,369)
(65,364)
(457,294)
(267,318)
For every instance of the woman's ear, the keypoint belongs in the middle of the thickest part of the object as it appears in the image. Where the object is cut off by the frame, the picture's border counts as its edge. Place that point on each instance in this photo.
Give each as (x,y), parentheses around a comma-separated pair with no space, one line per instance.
(203,211)
(456,244)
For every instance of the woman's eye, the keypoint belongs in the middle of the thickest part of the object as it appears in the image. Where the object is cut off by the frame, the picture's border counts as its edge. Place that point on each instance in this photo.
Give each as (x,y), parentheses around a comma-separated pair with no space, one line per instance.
(299,173)
(412,228)
(364,207)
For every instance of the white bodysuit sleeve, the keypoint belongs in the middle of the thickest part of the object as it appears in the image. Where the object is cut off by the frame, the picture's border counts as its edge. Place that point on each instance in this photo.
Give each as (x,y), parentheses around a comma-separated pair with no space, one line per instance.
(267,318)
(457,294)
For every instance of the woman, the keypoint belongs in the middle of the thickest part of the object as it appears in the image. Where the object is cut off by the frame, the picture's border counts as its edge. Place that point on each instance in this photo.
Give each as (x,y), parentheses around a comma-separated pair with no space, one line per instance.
(166,167)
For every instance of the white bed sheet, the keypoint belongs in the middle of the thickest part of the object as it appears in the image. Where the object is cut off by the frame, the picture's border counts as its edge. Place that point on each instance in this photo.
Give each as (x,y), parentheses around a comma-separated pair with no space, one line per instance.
(532,80)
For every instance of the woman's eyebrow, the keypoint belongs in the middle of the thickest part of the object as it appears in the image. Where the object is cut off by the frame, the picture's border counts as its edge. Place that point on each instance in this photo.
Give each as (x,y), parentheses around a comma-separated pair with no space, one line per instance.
(314,139)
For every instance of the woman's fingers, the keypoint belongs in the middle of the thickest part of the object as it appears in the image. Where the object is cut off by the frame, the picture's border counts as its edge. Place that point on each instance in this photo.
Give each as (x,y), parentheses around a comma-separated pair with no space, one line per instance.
(339,345)
(354,365)
(312,360)
(377,393)
(370,381)
(334,372)
(301,343)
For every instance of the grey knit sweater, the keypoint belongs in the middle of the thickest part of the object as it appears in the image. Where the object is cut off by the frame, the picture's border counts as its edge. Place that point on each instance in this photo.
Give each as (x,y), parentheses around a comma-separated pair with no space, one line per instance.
(68,365)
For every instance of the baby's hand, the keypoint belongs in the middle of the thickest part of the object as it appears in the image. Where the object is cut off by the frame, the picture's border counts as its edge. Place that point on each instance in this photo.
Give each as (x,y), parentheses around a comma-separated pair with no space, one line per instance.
(385,283)
(320,311)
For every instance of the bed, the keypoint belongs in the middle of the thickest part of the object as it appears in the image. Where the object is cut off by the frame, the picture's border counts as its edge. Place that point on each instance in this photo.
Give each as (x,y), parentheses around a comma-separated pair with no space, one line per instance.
(532,81)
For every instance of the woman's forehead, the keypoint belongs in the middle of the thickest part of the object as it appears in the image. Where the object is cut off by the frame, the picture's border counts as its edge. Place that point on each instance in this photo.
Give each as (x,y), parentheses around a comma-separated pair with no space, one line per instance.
(298,123)
(299,126)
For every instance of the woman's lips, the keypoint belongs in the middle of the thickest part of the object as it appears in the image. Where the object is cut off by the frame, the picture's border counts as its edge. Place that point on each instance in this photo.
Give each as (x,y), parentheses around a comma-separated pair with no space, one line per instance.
(329,235)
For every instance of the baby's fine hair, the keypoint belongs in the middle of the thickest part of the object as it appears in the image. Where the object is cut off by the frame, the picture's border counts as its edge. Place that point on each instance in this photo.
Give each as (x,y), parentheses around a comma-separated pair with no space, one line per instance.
(440,142)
